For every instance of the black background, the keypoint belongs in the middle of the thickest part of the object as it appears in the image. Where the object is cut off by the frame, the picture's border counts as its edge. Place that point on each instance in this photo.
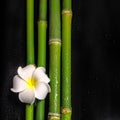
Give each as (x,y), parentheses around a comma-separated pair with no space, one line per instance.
(95,58)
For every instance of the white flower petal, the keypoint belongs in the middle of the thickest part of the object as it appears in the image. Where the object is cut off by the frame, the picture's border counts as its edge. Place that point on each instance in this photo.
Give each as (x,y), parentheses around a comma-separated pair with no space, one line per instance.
(27,96)
(42,68)
(42,90)
(18,84)
(26,72)
(40,75)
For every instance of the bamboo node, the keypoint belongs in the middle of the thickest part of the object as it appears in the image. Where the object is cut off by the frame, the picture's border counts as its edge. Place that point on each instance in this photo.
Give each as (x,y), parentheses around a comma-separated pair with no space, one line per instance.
(65,110)
(57,41)
(41,21)
(53,116)
(67,12)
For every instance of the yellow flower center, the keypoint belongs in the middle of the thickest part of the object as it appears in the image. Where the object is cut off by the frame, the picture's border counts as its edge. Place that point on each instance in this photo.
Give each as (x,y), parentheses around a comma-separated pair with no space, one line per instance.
(31,83)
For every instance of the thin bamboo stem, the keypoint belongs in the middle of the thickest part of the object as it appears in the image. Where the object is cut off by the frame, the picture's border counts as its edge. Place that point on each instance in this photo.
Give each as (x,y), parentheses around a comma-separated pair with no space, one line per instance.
(66,60)
(54,107)
(30,49)
(66,4)
(30,31)
(29,112)
(42,25)
(54,68)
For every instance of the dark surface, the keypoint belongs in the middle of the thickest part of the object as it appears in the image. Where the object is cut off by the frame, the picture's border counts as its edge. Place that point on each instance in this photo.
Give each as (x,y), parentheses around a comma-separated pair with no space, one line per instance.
(95,59)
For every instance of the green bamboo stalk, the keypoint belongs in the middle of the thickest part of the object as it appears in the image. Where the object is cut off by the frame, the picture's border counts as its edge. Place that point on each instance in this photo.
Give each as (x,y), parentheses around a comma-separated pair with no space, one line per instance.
(30,49)
(54,68)
(29,112)
(42,25)
(30,31)
(66,60)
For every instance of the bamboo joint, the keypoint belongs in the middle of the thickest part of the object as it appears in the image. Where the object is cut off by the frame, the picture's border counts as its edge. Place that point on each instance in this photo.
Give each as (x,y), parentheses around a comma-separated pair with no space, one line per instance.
(68,12)
(41,21)
(53,116)
(56,41)
(66,110)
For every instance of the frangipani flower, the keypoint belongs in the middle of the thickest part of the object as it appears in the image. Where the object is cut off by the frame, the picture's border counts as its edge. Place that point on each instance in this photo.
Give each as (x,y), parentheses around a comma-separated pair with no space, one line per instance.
(31,83)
